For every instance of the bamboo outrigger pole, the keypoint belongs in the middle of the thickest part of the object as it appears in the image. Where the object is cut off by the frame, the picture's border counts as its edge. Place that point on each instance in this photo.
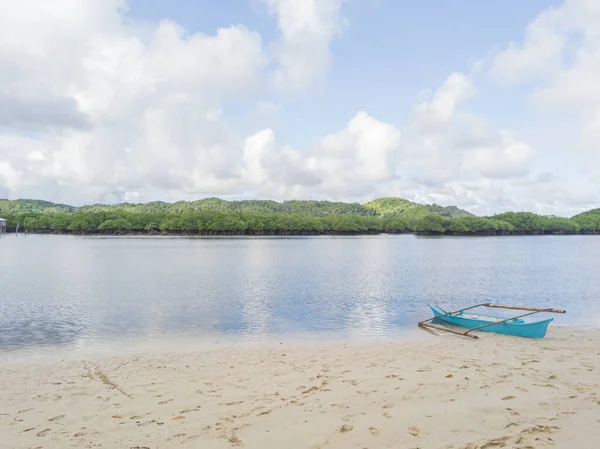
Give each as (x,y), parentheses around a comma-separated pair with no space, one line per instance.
(426,326)
(502,306)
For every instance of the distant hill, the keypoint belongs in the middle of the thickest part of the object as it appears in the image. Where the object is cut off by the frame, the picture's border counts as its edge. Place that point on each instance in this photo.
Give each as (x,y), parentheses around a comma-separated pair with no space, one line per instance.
(588,221)
(400,208)
(382,207)
(594,212)
(33,206)
(309,208)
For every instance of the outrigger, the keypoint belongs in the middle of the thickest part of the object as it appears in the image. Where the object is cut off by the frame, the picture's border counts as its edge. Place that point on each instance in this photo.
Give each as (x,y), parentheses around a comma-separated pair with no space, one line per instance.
(476,322)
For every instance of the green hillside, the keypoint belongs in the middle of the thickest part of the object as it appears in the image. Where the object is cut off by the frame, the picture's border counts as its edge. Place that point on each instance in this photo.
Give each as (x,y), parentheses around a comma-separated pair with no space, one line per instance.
(32,206)
(308,208)
(401,208)
(258,217)
(588,221)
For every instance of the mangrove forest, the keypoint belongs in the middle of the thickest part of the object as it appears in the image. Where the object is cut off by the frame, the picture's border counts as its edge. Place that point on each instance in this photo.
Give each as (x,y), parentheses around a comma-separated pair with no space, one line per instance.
(213,216)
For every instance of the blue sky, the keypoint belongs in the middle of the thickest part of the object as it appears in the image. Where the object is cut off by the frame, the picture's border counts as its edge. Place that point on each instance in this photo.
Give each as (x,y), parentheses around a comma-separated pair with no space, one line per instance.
(388,52)
(490,106)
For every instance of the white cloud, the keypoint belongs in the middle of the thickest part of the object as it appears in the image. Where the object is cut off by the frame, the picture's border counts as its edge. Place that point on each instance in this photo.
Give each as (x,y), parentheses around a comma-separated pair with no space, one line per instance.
(345,164)
(446,154)
(539,54)
(504,158)
(117,106)
(440,110)
(446,143)
(9,175)
(143,106)
(561,57)
(307,28)
(559,63)
(257,148)
(365,151)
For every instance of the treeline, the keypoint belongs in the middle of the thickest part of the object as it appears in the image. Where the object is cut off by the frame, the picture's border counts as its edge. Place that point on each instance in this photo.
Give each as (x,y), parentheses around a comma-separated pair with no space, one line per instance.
(511,223)
(217,217)
(215,223)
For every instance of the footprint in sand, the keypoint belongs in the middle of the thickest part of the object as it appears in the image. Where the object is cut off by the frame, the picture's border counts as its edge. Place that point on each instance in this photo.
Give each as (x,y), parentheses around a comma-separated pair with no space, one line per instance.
(346,428)
(197,409)
(496,442)
(178,435)
(414,431)
(234,440)
(540,429)
(57,418)
(374,431)
(310,390)
(507,398)
(42,433)
(513,412)
(544,406)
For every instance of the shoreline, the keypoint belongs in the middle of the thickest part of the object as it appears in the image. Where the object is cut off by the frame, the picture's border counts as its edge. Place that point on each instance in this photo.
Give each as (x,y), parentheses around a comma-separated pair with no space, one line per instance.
(143,233)
(430,392)
(169,344)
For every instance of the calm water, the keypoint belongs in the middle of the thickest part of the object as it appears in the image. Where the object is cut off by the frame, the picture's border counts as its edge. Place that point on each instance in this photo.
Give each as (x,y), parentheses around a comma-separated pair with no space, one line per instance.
(77,292)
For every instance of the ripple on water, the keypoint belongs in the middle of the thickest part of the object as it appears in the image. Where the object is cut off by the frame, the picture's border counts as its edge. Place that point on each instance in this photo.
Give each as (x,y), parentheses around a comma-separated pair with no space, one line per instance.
(69,292)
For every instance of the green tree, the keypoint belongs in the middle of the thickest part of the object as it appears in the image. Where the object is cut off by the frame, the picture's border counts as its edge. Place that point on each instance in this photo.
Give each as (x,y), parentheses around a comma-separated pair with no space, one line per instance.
(118,224)
(431,224)
(78,225)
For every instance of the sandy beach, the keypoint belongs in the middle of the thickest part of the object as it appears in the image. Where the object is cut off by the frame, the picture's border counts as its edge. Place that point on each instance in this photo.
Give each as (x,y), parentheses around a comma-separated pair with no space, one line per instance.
(438,392)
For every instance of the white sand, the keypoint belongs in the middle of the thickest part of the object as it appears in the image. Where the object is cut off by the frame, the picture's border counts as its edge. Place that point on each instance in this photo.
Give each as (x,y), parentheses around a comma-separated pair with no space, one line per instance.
(443,392)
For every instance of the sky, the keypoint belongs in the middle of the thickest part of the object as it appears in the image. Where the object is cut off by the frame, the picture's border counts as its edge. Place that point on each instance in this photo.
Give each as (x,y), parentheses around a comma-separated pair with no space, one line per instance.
(489,106)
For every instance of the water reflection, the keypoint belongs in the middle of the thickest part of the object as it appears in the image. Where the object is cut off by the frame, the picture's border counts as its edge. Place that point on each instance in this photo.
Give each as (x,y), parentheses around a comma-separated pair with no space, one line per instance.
(373,284)
(256,288)
(39,325)
(78,292)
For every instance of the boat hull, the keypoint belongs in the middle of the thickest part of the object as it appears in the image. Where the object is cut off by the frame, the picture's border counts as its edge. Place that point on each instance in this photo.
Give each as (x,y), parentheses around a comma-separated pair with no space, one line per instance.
(517,327)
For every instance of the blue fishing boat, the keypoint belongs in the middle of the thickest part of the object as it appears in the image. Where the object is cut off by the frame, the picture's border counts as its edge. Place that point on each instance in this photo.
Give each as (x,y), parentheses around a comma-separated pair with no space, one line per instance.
(486,323)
